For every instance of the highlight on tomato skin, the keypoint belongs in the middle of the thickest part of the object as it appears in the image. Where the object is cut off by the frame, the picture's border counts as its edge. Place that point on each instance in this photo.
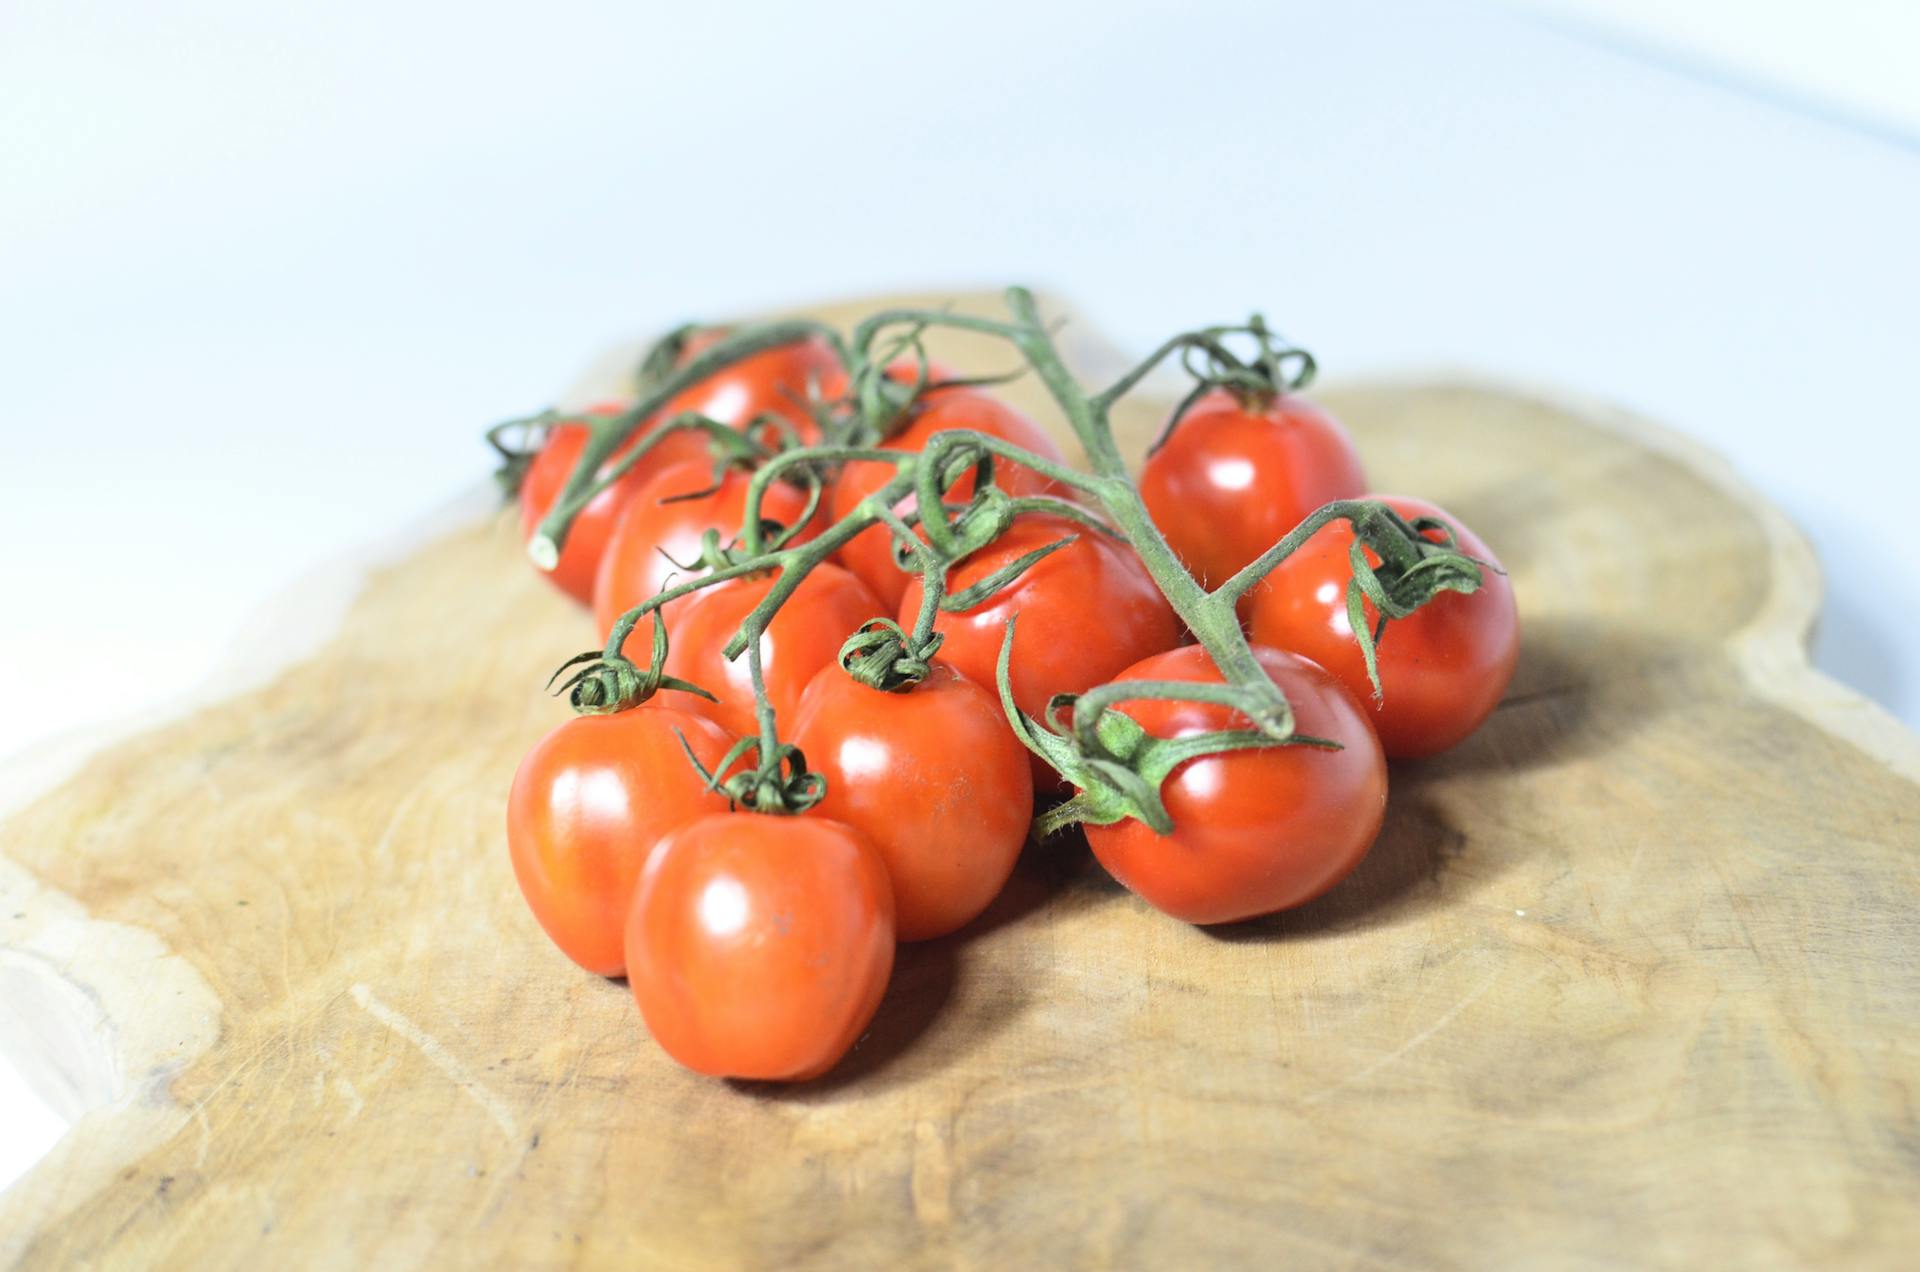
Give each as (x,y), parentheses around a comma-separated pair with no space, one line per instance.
(1254,831)
(934,777)
(760,946)
(1235,475)
(1443,669)
(587,806)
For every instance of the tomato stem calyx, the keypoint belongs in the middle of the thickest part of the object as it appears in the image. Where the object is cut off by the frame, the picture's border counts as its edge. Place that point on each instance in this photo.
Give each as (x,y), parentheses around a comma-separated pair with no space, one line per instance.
(610,682)
(883,655)
(1117,766)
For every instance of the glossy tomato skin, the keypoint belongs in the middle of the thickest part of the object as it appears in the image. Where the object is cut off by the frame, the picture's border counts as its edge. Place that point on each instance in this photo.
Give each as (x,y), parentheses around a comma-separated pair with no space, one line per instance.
(1087,612)
(587,536)
(934,777)
(587,806)
(1442,670)
(658,527)
(775,381)
(804,636)
(869,554)
(1253,831)
(760,946)
(1234,478)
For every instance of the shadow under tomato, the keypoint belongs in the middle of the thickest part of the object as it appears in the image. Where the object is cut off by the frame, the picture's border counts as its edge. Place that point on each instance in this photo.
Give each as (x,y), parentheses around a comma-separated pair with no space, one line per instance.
(1400,877)
(929,975)
(924,976)
(1580,690)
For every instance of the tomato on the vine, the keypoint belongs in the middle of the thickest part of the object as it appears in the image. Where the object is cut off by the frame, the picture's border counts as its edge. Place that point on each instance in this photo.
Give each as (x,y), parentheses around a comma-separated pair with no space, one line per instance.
(656,538)
(587,806)
(1087,611)
(586,540)
(870,553)
(1258,830)
(1442,669)
(1236,474)
(759,946)
(780,381)
(934,777)
(804,636)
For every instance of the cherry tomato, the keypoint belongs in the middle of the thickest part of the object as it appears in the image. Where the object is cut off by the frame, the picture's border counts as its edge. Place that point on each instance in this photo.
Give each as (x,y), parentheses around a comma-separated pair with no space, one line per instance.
(759,946)
(588,805)
(587,537)
(1253,831)
(1442,669)
(777,381)
(1087,611)
(1235,477)
(934,777)
(870,553)
(658,528)
(804,636)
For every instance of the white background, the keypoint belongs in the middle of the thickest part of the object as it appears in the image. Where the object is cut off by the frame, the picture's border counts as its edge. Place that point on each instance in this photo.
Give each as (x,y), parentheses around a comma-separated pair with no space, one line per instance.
(265,270)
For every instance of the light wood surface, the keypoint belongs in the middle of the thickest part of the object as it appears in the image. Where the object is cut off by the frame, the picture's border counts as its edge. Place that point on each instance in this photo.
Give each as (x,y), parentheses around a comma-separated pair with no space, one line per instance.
(1629,980)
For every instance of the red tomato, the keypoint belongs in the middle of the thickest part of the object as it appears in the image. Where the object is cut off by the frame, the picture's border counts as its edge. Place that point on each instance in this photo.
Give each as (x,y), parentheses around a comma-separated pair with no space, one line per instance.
(1233,479)
(587,537)
(775,381)
(1442,670)
(804,636)
(934,777)
(1087,611)
(759,946)
(656,529)
(1253,831)
(870,554)
(588,805)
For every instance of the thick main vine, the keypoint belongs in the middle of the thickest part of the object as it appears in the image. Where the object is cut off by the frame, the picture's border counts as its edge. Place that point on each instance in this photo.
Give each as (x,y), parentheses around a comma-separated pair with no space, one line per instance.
(1095,746)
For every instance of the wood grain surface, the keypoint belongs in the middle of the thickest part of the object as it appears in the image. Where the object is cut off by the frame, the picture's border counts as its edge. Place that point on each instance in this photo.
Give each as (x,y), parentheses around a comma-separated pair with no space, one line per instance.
(1629,980)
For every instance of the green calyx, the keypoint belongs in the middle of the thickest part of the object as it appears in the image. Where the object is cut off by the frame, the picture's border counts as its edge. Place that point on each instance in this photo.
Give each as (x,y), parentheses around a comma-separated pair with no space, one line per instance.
(1413,570)
(610,682)
(780,785)
(1250,361)
(1115,764)
(883,655)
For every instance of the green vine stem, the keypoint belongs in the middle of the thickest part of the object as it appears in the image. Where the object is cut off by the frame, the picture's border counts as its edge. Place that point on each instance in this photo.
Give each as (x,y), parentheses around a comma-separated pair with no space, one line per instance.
(1099,748)
(608,435)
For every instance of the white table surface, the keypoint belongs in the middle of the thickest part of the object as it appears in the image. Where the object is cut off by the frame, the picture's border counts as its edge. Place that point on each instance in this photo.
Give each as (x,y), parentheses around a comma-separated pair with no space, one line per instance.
(266,270)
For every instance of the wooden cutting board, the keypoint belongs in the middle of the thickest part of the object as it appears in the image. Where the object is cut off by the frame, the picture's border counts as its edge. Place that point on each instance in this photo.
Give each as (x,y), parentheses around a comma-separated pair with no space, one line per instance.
(1630,979)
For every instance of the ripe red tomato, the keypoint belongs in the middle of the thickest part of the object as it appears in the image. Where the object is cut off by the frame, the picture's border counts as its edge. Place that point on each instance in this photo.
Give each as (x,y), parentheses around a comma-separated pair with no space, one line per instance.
(588,804)
(870,553)
(775,381)
(934,777)
(1087,611)
(1442,669)
(759,946)
(655,529)
(804,636)
(1253,831)
(1234,478)
(587,537)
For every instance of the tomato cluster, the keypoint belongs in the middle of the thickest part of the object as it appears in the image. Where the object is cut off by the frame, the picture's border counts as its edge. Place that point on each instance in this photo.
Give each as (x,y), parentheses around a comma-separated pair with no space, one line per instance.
(828,749)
